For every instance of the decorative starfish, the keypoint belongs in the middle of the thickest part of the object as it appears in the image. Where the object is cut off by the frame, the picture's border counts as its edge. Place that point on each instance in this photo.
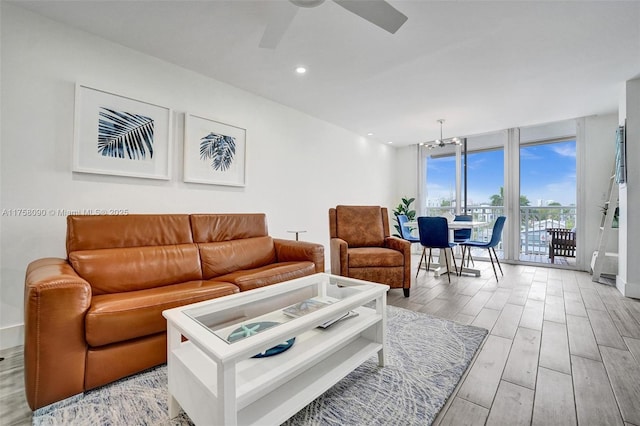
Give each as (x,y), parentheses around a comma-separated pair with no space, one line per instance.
(246,331)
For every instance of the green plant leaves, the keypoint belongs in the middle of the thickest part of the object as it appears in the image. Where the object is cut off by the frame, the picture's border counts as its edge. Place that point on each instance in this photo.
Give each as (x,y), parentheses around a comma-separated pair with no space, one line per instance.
(404,208)
(407,201)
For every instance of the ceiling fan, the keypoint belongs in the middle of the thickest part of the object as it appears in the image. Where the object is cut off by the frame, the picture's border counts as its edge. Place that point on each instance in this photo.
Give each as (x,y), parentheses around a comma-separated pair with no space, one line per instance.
(378,12)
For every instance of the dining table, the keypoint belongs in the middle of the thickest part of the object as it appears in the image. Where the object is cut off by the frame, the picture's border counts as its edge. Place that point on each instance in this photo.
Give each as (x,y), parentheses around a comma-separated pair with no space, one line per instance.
(441,267)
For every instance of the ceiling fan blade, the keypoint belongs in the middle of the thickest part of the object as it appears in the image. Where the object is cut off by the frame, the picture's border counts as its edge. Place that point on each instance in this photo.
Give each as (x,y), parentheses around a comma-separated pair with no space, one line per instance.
(282,13)
(378,12)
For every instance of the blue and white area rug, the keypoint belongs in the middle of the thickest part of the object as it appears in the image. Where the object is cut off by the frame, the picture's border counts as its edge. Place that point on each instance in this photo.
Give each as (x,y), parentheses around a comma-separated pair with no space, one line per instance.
(426,358)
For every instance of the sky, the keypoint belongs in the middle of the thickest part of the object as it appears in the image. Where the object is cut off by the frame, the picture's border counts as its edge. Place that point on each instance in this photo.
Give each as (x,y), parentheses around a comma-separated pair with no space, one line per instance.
(547,173)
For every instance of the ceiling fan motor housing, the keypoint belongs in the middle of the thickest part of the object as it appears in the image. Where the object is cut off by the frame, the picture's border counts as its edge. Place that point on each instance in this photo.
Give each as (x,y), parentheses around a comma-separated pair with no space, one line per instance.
(307,3)
(378,12)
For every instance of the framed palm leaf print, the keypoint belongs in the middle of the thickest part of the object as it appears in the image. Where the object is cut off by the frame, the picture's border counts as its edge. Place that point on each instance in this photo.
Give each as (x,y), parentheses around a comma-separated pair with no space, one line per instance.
(214,152)
(118,135)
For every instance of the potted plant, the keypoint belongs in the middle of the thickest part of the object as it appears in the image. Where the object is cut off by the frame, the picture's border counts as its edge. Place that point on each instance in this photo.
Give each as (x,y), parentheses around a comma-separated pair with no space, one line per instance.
(404,208)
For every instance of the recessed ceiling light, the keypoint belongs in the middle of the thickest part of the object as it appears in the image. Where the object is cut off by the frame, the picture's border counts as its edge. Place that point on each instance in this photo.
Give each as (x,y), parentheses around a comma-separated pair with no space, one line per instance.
(389,142)
(369,134)
(301,70)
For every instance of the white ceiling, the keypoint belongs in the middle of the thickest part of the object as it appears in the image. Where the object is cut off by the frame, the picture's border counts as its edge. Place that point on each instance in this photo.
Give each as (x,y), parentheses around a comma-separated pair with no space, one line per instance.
(482,66)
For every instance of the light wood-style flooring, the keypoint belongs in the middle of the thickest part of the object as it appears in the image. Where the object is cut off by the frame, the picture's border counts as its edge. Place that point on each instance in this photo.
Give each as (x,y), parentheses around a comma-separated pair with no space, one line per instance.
(560,350)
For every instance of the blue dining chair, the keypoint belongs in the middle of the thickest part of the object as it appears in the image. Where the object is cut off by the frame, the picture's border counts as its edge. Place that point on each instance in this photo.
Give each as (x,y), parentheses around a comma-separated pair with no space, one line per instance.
(404,230)
(434,233)
(496,235)
(463,235)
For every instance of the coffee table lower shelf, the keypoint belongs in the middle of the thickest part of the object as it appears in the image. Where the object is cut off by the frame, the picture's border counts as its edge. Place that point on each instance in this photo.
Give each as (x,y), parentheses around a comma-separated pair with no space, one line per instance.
(197,394)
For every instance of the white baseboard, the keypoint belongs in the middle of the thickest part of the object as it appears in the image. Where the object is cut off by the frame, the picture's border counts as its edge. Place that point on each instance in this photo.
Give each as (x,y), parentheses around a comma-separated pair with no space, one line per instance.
(628,289)
(11,336)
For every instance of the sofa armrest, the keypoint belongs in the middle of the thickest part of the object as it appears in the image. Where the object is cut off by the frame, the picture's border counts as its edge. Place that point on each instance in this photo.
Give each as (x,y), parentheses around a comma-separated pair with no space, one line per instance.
(289,250)
(404,247)
(56,300)
(339,259)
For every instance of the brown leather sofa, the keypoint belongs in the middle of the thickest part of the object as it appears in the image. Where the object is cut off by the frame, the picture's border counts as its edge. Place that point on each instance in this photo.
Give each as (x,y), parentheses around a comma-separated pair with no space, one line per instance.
(361,247)
(96,316)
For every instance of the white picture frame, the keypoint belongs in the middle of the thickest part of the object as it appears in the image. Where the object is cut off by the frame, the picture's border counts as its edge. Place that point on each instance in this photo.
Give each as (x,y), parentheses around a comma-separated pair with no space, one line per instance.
(214,152)
(119,135)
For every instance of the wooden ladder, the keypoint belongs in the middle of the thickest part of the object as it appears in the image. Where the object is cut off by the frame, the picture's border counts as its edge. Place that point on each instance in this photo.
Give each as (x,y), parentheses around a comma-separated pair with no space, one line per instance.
(606,228)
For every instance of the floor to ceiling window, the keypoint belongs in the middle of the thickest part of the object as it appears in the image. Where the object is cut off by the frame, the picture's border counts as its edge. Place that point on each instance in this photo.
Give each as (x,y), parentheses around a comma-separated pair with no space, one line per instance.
(485,183)
(455,183)
(528,175)
(547,198)
(440,169)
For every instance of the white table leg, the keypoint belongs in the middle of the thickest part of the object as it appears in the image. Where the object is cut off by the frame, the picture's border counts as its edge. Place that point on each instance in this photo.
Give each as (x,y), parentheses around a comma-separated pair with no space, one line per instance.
(226,403)
(174,407)
(467,270)
(173,342)
(442,267)
(381,308)
(471,271)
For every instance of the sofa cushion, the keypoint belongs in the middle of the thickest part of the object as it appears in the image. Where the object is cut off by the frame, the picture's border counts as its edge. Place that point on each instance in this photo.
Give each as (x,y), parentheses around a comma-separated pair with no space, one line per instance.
(229,256)
(209,228)
(101,231)
(123,316)
(137,268)
(360,226)
(362,257)
(149,351)
(269,274)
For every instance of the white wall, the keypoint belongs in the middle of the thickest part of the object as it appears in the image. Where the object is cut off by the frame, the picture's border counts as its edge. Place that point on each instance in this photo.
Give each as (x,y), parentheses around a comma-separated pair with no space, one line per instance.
(297,166)
(406,164)
(628,279)
(600,135)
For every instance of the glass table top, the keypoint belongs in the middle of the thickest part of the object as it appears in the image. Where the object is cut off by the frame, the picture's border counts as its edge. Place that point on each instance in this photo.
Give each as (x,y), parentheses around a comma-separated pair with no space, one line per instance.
(249,316)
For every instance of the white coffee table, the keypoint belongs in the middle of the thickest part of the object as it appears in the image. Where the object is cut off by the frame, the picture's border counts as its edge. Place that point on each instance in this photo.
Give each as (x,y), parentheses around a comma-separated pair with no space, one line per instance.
(217,382)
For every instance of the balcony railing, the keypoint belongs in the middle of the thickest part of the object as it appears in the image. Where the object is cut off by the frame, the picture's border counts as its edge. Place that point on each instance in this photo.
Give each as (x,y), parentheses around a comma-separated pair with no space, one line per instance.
(534,222)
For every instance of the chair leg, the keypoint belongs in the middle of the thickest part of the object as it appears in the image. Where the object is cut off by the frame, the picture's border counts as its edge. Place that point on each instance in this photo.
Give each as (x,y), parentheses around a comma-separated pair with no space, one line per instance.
(429,260)
(420,264)
(496,256)
(469,258)
(464,252)
(455,267)
(492,264)
(406,292)
(446,260)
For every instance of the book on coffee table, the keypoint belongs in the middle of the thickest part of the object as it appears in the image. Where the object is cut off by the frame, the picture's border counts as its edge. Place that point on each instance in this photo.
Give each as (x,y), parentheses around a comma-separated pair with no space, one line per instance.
(349,314)
(305,307)
(312,305)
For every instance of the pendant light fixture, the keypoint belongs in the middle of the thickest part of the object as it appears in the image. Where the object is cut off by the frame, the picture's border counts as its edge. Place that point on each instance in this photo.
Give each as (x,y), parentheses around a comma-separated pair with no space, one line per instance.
(439,143)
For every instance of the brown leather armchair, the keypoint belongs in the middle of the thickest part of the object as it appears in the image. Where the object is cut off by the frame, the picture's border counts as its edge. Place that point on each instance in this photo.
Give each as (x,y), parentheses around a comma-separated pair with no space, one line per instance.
(362,248)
